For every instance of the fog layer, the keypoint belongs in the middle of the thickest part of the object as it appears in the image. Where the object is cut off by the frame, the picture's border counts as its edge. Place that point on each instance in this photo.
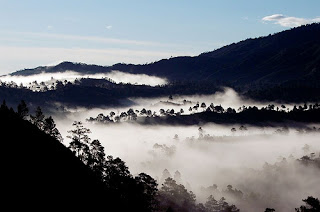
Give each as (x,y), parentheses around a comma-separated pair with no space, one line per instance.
(116,76)
(222,158)
(212,155)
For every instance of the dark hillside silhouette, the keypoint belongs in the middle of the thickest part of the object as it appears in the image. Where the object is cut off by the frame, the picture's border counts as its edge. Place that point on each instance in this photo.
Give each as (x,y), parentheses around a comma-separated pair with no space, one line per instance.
(41,173)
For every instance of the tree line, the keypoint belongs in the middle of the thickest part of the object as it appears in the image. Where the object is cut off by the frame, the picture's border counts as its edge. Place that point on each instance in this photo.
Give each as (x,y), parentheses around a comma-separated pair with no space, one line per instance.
(215,113)
(45,124)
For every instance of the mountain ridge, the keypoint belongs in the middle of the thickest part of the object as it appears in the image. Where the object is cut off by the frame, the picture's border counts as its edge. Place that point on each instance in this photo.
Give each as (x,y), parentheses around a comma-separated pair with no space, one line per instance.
(285,56)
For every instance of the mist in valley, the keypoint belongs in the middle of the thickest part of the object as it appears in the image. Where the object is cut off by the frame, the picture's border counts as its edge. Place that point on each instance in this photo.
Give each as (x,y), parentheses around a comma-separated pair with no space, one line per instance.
(167,106)
(252,167)
(261,162)
(227,98)
(70,76)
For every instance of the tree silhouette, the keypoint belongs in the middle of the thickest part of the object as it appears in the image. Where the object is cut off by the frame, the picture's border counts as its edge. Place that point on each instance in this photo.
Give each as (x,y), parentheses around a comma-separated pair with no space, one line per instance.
(211,204)
(115,169)
(131,114)
(218,109)
(49,127)
(97,158)
(147,187)
(176,197)
(312,205)
(38,118)
(80,141)
(123,115)
(143,111)
(162,111)
(203,105)
(112,114)
(22,109)
(269,210)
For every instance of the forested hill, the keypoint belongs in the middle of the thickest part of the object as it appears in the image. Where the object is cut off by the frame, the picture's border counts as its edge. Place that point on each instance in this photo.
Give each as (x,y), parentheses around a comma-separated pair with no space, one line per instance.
(39,173)
(291,55)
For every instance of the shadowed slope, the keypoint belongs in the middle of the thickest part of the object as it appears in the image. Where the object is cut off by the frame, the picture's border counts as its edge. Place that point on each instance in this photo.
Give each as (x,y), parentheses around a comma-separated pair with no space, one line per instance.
(41,173)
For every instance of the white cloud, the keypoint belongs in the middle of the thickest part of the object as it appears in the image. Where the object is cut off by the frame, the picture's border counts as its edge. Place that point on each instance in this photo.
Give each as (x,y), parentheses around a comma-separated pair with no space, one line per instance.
(117,76)
(286,21)
(138,79)
(273,17)
(108,27)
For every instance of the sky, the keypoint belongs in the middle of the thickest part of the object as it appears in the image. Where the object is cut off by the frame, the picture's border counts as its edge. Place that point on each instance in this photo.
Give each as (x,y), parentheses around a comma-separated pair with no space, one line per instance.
(37,33)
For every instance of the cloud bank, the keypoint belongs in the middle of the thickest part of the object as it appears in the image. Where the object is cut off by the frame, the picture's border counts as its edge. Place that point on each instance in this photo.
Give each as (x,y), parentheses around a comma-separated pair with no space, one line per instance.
(287,21)
(117,76)
(223,159)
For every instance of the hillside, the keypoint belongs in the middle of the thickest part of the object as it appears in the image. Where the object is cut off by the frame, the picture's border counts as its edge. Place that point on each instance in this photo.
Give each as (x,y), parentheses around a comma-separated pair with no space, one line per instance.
(286,56)
(40,172)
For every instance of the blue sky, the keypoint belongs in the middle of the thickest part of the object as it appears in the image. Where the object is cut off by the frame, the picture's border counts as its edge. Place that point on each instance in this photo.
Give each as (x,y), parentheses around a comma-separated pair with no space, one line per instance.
(34,33)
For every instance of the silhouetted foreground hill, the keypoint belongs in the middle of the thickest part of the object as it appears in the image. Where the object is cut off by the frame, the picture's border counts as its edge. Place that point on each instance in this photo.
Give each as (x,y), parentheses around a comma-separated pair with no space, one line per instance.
(286,56)
(40,173)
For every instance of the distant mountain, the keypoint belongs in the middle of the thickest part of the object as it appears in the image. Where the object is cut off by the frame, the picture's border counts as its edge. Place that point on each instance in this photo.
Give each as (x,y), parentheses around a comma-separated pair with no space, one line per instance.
(65,66)
(286,56)
(281,67)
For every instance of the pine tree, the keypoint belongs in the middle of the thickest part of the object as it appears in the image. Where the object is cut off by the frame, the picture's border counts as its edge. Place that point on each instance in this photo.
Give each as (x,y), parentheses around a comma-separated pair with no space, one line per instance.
(49,127)
(22,109)
(38,118)
(80,141)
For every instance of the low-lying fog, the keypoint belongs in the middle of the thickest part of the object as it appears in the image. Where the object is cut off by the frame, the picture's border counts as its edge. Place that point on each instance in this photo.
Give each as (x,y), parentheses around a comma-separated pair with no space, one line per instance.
(116,76)
(227,98)
(214,155)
